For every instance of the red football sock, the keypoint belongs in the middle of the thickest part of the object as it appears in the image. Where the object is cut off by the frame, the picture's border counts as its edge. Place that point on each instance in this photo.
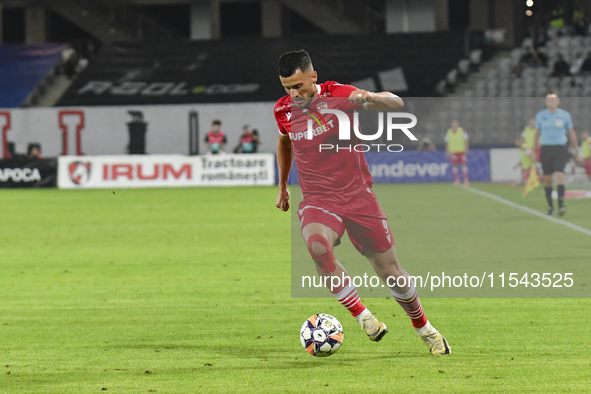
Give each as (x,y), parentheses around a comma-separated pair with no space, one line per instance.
(411,305)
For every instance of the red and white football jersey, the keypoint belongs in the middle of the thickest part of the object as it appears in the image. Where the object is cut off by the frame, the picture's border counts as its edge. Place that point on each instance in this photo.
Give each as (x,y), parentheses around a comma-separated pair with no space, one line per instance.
(343,173)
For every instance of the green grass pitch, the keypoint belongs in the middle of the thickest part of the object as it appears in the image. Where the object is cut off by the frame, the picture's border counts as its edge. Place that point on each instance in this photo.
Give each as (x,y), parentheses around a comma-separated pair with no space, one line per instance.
(188,290)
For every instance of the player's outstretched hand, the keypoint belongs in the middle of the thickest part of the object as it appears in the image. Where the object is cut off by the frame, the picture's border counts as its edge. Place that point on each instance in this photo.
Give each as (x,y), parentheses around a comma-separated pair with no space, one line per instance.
(283,200)
(360,96)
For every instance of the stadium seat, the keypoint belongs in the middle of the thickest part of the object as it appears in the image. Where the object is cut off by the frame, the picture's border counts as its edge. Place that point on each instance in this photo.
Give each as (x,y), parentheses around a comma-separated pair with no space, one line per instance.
(516,84)
(528,42)
(566,91)
(553,83)
(516,55)
(452,77)
(476,57)
(517,92)
(541,72)
(563,42)
(576,91)
(541,82)
(480,93)
(566,82)
(464,67)
(541,91)
(441,88)
(528,73)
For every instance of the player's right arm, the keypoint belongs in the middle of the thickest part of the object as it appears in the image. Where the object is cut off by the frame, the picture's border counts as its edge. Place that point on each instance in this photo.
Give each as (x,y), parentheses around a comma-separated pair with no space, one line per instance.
(284,160)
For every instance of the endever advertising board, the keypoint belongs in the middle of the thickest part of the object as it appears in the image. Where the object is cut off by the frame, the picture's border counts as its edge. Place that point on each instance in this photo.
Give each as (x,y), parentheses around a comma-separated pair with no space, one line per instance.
(101,172)
(416,167)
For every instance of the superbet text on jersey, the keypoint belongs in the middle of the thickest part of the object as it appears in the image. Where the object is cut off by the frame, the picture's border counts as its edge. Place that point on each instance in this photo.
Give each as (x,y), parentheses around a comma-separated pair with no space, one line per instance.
(342,171)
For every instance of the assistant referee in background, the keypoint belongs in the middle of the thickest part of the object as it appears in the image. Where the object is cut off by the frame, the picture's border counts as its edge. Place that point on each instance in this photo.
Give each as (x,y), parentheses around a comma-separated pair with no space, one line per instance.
(553,124)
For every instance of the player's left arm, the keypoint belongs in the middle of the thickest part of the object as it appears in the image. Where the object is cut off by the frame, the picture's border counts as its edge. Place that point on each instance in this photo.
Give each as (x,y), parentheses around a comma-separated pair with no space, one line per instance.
(380,101)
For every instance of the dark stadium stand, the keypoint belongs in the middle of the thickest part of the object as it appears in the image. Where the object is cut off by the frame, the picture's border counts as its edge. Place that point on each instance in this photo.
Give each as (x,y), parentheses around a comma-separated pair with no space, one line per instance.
(235,70)
(22,68)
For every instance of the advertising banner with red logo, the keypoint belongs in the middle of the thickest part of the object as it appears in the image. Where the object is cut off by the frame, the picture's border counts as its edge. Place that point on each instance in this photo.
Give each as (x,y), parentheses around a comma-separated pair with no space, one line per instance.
(97,172)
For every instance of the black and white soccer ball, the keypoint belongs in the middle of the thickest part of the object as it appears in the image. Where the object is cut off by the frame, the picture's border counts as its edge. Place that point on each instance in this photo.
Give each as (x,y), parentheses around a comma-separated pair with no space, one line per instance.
(321,335)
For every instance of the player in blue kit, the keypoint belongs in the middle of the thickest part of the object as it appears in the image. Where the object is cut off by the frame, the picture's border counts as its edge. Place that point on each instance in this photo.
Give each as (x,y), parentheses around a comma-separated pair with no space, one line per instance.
(553,124)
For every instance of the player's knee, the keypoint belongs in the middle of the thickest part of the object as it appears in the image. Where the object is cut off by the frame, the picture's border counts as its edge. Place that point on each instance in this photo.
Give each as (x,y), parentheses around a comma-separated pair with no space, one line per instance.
(317,249)
(321,252)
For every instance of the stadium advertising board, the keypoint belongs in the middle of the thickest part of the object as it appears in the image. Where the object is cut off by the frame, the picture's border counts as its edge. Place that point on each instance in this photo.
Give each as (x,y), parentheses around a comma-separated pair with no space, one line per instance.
(417,167)
(97,172)
(25,173)
(413,167)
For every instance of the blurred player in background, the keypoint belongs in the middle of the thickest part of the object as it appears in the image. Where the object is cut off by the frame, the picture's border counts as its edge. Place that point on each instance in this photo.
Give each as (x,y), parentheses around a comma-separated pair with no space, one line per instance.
(215,140)
(456,149)
(527,160)
(337,195)
(585,153)
(553,124)
(529,134)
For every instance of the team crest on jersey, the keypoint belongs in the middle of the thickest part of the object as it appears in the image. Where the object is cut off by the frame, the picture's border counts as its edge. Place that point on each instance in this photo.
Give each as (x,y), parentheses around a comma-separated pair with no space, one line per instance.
(559,122)
(322,105)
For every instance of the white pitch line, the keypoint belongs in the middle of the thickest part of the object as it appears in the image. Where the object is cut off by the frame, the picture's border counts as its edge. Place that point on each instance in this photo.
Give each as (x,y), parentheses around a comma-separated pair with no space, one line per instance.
(529,210)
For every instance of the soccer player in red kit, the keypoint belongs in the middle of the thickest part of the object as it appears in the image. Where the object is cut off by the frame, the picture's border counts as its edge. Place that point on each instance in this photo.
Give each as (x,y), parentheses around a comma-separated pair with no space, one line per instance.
(337,196)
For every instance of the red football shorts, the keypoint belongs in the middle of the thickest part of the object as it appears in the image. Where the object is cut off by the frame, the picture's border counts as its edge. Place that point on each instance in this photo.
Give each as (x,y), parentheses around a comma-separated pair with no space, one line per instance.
(362,217)
(456,158)
(587,166)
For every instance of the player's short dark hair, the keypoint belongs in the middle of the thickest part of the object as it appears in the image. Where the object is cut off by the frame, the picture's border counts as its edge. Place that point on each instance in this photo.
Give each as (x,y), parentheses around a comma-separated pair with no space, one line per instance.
(554,92)
(290,62)
(217,121)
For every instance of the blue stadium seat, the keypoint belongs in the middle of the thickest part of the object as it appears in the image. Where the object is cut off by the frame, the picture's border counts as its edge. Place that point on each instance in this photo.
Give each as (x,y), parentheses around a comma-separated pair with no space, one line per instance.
(22,68)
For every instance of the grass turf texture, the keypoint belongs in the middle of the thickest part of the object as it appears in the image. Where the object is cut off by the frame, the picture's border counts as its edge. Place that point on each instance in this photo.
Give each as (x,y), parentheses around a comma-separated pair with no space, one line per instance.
(188,290)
